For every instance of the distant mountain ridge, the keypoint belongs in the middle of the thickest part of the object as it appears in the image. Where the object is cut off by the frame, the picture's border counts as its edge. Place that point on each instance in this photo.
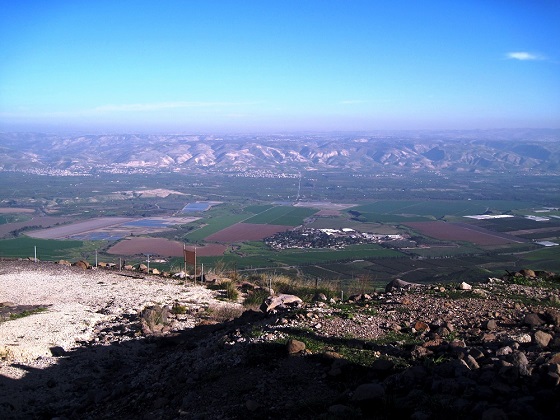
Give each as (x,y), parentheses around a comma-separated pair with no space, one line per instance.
(450,151)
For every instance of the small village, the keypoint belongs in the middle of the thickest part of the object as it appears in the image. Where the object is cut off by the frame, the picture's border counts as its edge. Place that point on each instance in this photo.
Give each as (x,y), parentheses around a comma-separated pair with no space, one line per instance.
(325,238)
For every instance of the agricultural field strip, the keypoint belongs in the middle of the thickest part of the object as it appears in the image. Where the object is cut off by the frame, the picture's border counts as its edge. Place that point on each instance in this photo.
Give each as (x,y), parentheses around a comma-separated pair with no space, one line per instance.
(433,229)
(531,231)
(507,236)
(324,205)
(215,225)
(276,215)
(240,232)
(13,210)
(61,232)
(438,207)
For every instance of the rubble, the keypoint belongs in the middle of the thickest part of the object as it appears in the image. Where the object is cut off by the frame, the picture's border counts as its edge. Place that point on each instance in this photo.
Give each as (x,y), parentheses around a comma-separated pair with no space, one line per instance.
(417,352)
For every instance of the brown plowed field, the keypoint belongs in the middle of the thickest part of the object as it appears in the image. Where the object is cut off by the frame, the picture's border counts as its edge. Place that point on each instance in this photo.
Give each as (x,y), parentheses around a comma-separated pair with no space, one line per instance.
(454,232)
(163,247)
(246,232)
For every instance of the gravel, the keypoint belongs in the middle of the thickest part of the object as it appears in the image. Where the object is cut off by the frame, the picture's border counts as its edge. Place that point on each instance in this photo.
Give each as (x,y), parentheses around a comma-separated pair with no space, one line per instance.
(76,301)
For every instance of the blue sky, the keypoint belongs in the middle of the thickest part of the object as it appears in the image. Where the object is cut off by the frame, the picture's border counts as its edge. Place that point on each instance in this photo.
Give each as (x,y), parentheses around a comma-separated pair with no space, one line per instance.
(269,66)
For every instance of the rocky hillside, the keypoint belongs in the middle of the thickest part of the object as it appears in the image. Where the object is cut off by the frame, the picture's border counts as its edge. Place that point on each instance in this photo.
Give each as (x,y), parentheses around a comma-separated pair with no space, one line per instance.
(489,351)
(453,151)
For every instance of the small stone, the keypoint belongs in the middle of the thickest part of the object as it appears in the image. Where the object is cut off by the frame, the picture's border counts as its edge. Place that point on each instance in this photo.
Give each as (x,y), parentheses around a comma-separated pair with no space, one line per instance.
(465,286)
(420,352)
(522,338)
(555,358)
(476,353)
(340,410)
(490,325)
(542,338)
(382,365)
(533,320)
(527,273)
(368,392)
(504,351)
(295,346)
(494,413)
(252,405)
(421,326)
(320,297)
(471,362)
(553,316)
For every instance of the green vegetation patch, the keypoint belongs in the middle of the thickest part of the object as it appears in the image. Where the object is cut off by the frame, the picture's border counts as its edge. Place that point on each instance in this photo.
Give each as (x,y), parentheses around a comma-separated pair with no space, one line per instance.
(282,215)
(47,249)
(256,209)
(439,208)
(13,313)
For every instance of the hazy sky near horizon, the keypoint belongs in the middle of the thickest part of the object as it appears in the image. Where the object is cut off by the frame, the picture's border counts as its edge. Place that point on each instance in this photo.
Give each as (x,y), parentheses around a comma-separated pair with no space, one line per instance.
(278,65)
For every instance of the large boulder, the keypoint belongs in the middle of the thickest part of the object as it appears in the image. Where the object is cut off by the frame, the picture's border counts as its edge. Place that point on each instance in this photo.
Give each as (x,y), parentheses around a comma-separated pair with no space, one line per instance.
(527,273)
(82,264)
(399,284)
(280,301)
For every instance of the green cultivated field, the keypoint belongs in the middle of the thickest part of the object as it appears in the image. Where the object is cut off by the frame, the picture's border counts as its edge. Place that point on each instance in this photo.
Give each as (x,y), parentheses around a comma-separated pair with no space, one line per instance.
(544,259)
(438,208)
(256,209)
(282,215)
(47,249)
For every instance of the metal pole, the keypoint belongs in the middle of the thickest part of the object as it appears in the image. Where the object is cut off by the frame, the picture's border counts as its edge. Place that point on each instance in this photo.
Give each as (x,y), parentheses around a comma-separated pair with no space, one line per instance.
(35,248)
(148,263)
(96,258)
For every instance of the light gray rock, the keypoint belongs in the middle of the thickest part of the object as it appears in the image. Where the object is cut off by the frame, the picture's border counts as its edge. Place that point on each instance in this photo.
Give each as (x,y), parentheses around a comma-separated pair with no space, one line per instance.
(281,300)
(399,284)
(465,286)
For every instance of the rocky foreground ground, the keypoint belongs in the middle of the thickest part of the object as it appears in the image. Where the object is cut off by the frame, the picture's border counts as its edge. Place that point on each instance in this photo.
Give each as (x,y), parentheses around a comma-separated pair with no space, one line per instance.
(490,351)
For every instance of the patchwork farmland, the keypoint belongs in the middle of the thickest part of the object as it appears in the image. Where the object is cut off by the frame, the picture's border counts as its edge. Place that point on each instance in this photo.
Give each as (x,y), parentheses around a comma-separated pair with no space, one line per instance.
(162,247)
(462,232)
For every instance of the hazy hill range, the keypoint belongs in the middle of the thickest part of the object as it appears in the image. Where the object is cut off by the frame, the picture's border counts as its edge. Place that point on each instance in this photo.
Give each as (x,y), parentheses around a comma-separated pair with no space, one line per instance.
(486,151)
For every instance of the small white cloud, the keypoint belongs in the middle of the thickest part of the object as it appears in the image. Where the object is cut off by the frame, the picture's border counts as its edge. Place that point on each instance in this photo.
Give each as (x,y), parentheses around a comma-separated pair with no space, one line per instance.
(523,56)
